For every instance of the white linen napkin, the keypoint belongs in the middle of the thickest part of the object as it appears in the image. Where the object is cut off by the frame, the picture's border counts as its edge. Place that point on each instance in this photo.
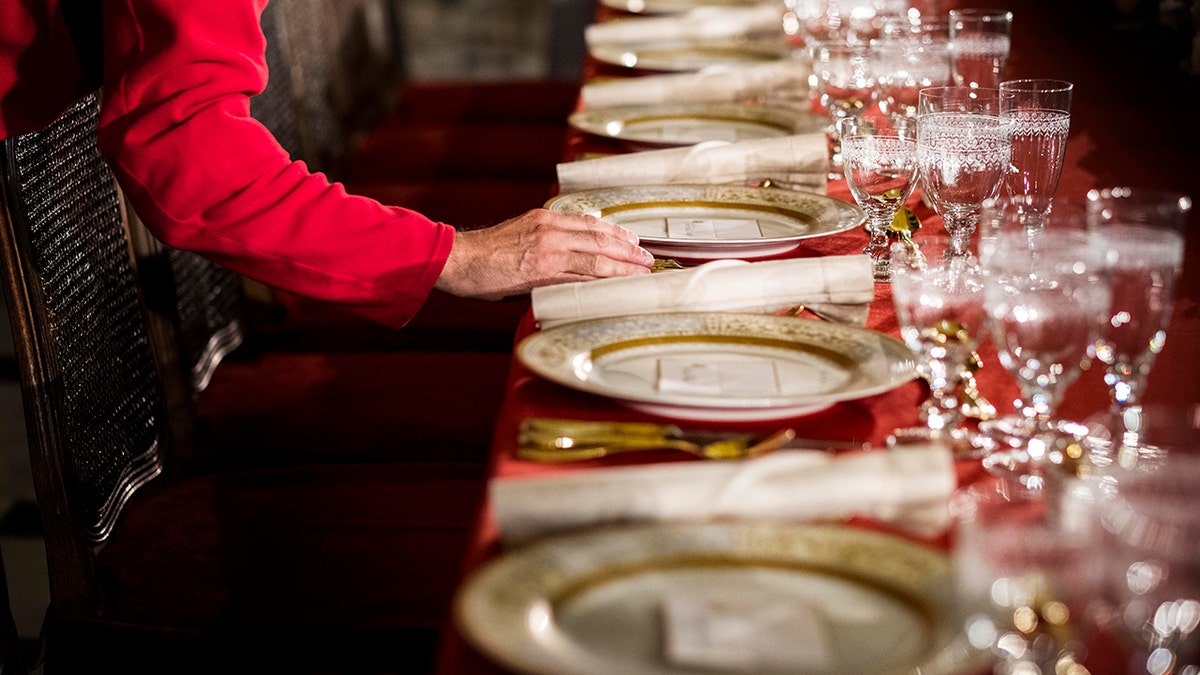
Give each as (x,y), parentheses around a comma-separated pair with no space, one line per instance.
(702,23)
(839,287)
(797,160)
(776,80)
(909,487)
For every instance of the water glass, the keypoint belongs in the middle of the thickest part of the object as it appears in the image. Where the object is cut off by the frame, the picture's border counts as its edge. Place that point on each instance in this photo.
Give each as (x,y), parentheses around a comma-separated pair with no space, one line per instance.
(1044,289)
(879,159)
(980,42)
(1151,555)
(1027,572)
(905,65)
(1144,230)
(964,147)
(939,305)
(1040,112)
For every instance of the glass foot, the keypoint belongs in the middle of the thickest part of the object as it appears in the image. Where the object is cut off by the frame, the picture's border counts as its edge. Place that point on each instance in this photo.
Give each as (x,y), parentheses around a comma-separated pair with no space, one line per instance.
(963,444)
(1031,459)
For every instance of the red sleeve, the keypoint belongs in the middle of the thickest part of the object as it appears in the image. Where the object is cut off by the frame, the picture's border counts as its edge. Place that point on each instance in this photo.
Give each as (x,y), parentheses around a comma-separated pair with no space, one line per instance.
(206,177)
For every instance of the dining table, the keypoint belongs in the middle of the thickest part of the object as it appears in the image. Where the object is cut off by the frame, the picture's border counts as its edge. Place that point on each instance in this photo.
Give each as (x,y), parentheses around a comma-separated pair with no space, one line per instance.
(1113,140)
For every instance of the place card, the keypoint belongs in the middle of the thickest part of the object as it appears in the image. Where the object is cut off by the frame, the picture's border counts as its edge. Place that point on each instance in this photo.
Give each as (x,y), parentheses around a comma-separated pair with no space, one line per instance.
(744,631)
(713,228)
(746,377)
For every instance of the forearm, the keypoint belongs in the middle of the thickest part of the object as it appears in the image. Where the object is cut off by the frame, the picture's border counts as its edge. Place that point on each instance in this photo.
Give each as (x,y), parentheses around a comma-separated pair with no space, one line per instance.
(207,177)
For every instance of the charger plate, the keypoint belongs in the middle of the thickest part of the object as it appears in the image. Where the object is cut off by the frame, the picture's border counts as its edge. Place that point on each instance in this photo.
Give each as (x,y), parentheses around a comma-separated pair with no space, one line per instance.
(680,124)
(708,222)
(689,56)
(672,6)
(844,600)
(719,366)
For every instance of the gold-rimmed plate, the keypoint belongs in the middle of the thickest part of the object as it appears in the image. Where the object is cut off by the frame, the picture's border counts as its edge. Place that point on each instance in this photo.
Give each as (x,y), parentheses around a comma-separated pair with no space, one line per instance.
(689,56)
(679,124)
(709,222)
(719,366)
(753,596)
(672,6)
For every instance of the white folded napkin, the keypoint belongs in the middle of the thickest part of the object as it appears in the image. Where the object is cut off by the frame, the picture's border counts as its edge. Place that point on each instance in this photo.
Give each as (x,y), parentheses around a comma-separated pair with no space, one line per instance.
(838,287)
(702,23)
(909,487)
(776,80)
(800,160)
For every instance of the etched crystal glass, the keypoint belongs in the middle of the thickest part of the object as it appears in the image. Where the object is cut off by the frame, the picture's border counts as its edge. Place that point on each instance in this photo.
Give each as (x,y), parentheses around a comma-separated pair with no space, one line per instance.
(964,148)
(980,45)
(879,158)
(1040,112)
(905,65)
(1144,231)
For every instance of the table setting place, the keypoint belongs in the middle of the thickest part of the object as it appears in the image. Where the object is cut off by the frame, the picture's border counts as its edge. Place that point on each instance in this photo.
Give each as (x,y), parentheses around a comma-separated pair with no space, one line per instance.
(825,434)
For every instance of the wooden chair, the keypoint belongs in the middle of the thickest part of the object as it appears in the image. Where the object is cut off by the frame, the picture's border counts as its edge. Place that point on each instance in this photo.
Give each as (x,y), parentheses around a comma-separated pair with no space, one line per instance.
(12,656)
(321,567)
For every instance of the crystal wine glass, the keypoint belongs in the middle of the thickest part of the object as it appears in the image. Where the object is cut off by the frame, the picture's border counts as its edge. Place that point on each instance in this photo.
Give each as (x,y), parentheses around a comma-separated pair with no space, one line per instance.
(980,44)
(1027,572)
(845,86)
(964,147)
(905,64)
(1145,232)
(1151,555)
(879,158)
(1043,290)
(939,305)
(1040,111)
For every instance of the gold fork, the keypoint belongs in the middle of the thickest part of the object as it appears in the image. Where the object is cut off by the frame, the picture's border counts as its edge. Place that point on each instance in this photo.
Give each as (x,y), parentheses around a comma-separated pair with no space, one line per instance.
(557,440)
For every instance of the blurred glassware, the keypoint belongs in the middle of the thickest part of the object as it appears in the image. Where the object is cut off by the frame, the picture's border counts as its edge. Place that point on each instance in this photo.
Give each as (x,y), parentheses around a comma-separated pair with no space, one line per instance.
(919,25)
(980,42)
(1144,229)
(939,305)
(845,87)
(905,65)
(1151,551)
(1044,289)
(847,21)
(1028,573)
(964,147)
(879,158)
(1040,111)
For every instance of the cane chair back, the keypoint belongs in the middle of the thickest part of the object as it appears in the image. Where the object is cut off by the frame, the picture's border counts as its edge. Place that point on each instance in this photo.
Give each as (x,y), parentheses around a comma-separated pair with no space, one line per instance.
(96,410)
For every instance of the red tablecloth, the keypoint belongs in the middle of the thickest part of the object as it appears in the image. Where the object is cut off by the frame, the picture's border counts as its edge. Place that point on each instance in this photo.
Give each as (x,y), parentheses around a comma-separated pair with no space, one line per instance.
(1107,146)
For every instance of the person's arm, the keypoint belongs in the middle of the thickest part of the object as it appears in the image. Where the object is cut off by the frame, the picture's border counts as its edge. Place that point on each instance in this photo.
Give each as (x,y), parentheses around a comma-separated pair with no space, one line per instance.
(207,177)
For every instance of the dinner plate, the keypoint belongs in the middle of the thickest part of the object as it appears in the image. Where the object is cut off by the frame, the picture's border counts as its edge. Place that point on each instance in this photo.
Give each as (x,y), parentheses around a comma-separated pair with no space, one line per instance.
(689,56)
(680,124)
(750,596)
(672,6)
(719,365)
(708,222)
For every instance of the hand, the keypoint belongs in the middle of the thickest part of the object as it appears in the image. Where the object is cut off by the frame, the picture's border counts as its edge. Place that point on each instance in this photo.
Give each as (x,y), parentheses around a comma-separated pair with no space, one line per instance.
(538,248)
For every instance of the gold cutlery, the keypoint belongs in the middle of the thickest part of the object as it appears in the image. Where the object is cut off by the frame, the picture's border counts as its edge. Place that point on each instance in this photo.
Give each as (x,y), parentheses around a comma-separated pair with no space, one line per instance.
(562,440)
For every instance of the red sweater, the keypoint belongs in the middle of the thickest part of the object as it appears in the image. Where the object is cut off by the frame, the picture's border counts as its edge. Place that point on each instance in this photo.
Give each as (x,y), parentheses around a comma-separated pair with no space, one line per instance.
(175,126)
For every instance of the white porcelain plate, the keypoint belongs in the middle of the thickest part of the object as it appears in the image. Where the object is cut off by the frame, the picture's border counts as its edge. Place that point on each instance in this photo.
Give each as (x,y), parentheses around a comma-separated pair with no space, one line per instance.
(708,222)
(689,56)
(745,597)
(719,366)
(672,6)
(680,124)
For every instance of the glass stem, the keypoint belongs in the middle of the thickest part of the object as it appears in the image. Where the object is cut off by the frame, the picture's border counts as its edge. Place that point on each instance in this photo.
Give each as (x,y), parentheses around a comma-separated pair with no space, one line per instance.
(879,248)
(940,411)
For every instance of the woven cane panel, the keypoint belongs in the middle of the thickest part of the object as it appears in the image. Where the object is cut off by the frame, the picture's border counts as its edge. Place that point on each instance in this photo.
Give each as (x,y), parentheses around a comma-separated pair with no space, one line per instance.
(208,298)
(109,420)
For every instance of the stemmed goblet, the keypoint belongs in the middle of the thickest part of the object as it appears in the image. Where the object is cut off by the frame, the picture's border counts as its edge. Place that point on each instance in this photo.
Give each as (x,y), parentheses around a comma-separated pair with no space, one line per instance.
(906,63)
(939,305)
(1027,572)
(846,87)
(1144,231)
(1040,111)
(964,147)
(980,45)
(879,158)
(1043,290)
